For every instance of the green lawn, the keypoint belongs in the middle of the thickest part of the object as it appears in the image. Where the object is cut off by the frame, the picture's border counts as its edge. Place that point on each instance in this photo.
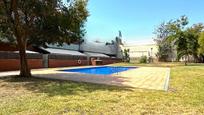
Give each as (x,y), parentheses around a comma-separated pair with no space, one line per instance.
(39,96)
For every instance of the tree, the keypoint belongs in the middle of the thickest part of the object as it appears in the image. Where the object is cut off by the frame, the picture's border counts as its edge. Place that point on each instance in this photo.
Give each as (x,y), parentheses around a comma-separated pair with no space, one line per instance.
(179,36)
(186,39)
(25,22)
(201,45)
(192,36)
(164,47)
(176,34)
(181,46)
(126,55)
(164,51)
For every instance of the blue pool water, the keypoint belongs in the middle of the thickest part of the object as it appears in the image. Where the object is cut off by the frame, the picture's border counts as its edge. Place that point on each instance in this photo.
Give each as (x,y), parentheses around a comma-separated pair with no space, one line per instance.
(104,70)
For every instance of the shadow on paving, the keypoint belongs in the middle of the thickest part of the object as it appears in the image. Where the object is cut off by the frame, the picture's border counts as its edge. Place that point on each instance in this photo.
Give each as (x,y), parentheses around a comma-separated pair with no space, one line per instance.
(56,87)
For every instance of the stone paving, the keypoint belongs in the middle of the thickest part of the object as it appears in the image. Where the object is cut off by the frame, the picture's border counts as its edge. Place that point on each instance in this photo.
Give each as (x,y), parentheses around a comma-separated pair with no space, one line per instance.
(147,77)
(156,78)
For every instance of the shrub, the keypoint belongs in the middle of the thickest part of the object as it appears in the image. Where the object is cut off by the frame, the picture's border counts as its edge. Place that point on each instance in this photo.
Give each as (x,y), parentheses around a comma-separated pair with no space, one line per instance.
(143,59)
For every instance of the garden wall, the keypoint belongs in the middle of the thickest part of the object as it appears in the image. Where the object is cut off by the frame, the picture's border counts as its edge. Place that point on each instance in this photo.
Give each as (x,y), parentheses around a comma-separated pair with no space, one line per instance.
(106,61)
(10,61)
(56,60)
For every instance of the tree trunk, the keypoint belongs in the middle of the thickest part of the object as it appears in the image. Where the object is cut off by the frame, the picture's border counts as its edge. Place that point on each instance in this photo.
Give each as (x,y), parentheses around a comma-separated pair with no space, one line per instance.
(24,69)
(185,63)
(196,58)
(202,59)
(185,60)
(20,33)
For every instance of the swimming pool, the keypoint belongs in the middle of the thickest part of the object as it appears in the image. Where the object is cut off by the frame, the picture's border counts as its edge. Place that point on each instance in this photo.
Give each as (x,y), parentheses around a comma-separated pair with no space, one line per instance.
(103,70)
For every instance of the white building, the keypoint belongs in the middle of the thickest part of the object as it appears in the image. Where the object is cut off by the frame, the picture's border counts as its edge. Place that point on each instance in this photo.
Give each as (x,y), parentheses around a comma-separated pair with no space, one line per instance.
(113,49)
(89,48)
(136,51)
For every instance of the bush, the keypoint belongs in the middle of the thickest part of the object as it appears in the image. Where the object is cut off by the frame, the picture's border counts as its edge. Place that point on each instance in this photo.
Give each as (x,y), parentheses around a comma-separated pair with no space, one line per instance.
(143,59)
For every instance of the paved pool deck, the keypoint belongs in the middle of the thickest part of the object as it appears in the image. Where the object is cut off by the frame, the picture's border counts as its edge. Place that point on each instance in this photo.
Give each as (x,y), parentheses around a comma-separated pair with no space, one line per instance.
(156,78)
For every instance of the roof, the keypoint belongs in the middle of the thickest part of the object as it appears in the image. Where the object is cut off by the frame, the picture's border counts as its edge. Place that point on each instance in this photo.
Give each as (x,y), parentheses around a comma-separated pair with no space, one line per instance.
(98,48)
(64,46)
(88,47)
(27,51)
(62,51)
(96,54)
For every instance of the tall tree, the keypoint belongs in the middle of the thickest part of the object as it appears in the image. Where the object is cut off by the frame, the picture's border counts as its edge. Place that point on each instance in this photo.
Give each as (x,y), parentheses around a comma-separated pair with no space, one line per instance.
(186,38)
(164,47)
(201,45)
(38,22)
(192,36)
(178,36)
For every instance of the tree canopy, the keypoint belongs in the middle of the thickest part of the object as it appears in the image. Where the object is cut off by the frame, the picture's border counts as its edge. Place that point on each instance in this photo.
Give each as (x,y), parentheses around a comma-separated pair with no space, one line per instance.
(176,34)
(41,21)
(164,47)
(201,44)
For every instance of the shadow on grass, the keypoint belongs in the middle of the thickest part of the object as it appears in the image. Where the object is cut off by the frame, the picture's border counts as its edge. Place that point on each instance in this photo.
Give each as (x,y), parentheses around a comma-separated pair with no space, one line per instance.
(56,87)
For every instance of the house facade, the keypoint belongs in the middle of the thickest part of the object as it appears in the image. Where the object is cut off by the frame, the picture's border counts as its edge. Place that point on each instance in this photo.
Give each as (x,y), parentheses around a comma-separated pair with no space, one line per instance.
(138,50)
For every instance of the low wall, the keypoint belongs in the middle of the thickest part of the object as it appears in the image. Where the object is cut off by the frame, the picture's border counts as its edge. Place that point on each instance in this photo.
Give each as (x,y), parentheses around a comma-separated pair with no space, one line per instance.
(10,61)
(56,60)
(110,60)
(106,61)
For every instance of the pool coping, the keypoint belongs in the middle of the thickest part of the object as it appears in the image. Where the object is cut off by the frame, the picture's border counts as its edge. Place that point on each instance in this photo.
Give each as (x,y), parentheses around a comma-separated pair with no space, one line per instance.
(52,73)
(166,84)
(64,70)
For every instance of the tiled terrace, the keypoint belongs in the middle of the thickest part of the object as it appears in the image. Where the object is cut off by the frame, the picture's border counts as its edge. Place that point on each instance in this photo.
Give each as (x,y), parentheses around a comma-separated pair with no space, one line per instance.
(156,78)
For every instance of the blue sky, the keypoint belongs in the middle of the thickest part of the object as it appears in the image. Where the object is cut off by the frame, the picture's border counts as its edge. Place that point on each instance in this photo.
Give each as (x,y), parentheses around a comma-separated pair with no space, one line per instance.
(137,19)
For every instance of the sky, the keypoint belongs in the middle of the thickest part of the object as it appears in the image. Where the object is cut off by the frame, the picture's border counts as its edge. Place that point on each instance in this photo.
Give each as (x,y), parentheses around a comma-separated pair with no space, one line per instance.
(137,19)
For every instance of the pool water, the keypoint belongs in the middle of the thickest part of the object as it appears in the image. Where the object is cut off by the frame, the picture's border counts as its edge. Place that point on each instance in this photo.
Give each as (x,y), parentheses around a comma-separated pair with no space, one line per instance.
(104,70)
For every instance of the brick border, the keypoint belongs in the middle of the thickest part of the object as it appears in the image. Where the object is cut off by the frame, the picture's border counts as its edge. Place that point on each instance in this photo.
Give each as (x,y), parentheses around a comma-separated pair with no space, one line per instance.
(166,84)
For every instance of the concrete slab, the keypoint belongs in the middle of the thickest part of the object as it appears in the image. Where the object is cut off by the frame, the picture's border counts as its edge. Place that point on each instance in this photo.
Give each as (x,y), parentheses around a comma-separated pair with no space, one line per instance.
(156,78)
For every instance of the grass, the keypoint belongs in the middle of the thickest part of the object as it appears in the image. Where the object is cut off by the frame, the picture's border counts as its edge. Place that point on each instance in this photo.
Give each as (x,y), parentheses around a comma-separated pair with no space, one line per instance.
(40,96)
